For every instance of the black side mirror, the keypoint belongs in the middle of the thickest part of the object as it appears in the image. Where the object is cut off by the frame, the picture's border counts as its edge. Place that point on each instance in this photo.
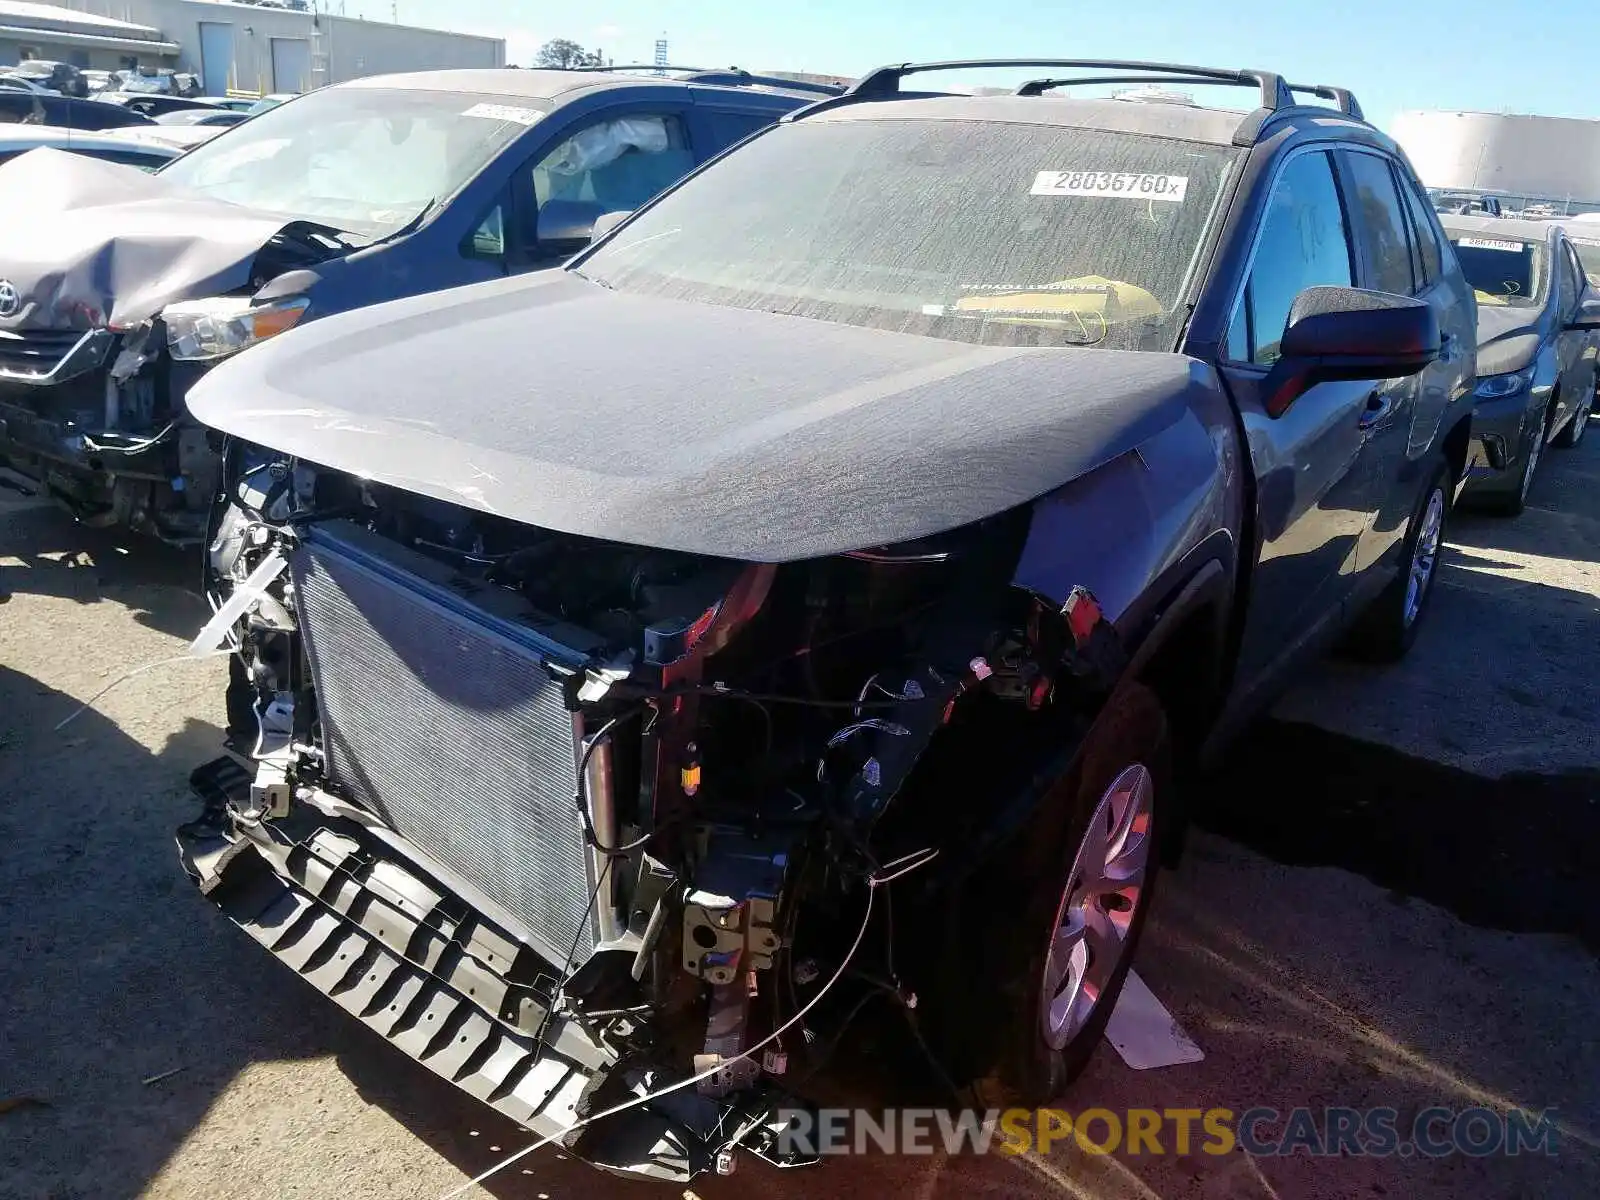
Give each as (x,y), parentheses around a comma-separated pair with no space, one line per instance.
(607,222)
(1340,333)
(564,226)
(1588,314)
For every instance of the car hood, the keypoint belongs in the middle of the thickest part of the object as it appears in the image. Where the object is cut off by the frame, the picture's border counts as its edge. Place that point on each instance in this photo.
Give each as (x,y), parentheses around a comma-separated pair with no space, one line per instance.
(87,242)
(555,402)
(1508,338)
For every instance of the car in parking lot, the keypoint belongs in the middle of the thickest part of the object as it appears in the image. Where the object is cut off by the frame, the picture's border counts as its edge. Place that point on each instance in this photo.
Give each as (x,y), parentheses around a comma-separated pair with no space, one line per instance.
(180,138)
(266,103)
(22,108)
(1446,200)
(888,504)
(155,104)
(1537,340)
(386,186)
(21,83)
(222,118)
(60,77)
(109,146)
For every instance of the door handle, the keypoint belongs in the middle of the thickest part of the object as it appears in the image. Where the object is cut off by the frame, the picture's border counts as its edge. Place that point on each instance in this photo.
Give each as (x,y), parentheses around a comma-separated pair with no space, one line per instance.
(1378,406)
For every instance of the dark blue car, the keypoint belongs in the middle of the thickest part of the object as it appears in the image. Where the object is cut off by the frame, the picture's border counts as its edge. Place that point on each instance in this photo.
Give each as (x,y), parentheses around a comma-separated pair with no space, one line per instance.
(118,290)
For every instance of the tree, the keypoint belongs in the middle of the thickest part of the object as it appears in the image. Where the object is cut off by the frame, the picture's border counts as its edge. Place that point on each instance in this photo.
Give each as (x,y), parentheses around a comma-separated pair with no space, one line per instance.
(565,53)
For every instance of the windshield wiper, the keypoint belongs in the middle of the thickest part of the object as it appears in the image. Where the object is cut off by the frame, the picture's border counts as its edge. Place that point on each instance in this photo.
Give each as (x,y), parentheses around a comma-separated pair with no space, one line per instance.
(410,226)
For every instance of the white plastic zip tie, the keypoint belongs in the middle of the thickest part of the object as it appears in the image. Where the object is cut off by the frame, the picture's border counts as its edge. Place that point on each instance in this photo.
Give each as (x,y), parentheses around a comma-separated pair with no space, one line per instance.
(215,631)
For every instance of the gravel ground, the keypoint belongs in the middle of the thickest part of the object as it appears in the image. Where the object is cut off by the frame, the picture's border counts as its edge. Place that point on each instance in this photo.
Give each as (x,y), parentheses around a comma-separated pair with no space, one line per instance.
(1354,927)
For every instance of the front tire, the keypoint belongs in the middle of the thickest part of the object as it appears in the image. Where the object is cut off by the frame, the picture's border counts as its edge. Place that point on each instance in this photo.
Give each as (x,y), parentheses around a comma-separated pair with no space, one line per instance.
(1511,504)
(1389,626)
(1073,948)
(1572,434)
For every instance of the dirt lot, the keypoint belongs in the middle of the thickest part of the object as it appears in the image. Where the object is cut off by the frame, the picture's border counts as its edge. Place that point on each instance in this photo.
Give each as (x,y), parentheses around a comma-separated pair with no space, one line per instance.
(1406,920)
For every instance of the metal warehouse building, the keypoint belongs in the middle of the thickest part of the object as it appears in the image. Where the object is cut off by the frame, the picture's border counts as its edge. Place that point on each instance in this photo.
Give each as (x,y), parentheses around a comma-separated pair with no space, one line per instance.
(237,47)
(1548,161)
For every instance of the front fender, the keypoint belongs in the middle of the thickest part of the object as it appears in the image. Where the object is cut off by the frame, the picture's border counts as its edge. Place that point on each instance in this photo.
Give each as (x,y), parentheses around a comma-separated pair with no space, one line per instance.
(1129,531)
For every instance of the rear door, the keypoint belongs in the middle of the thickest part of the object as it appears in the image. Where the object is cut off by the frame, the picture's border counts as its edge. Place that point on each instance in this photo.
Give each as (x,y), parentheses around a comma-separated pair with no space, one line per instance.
(1400,250)
(1311,502)
(1575,349)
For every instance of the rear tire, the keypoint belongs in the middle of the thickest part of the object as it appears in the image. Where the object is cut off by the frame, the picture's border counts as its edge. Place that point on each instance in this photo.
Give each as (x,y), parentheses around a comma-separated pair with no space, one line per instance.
(1388,627)
(1072,948)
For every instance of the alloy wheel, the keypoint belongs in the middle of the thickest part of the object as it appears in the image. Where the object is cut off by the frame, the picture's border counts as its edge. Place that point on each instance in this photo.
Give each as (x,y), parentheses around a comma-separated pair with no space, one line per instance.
(1089,936)
(1425,554)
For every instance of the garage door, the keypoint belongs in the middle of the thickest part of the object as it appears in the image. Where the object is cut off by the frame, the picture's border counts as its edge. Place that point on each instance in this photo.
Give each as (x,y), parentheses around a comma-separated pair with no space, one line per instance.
(216,57)
(291,64)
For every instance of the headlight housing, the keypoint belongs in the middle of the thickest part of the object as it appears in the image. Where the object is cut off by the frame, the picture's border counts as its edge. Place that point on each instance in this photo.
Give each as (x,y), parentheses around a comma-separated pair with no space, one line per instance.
(1497,387)
(199,330)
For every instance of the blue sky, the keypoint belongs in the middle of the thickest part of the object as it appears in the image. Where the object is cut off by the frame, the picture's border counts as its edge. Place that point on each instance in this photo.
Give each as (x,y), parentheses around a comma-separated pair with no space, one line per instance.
(1530,56)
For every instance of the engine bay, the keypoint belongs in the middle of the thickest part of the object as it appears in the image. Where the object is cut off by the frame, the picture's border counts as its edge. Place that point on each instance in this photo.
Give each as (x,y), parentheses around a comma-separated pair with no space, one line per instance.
(751,749)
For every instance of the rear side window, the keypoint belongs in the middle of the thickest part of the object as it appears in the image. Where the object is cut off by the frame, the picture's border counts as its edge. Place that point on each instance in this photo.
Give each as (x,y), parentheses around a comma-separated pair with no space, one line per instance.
(1304,243)
(1430,260)
(1381,223)
(729,127)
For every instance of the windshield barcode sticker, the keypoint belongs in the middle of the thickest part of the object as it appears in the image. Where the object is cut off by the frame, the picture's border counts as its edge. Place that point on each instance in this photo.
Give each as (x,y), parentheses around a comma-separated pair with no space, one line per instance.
(1492,244)
(1128,185)
(505,112)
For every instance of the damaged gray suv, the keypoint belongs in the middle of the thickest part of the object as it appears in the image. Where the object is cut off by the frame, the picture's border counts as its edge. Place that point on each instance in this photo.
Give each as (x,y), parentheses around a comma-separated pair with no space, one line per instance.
(809,592)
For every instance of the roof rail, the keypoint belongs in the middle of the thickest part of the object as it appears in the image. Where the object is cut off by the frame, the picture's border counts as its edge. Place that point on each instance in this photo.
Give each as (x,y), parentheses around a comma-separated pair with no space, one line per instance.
(652,67)
(1038,87)
(1343,97)
(885,81)
(729,76)
(738,77)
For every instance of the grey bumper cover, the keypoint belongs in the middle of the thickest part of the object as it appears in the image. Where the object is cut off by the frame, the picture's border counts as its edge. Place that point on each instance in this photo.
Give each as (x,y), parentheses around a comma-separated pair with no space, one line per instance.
(443,985)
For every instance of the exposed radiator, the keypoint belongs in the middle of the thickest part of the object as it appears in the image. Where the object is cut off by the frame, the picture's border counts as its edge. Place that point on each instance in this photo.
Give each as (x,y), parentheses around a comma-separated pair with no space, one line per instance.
(440,717)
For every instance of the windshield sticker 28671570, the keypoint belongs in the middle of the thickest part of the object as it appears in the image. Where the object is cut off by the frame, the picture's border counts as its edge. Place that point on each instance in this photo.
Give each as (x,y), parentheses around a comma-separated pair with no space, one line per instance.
(1127,185)
(1492,244)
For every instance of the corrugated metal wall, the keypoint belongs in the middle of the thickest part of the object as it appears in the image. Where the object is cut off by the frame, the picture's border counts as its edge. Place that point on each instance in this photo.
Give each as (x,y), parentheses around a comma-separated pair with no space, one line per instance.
(1550,157)
(337,48)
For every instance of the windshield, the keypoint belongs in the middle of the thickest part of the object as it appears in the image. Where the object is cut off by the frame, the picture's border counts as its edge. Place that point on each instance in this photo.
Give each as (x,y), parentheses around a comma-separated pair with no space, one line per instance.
(365,160)
(974,231)
(1502,271)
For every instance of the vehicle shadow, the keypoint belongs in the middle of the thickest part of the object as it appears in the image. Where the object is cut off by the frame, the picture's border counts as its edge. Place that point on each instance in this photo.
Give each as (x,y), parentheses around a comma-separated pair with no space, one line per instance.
(1560,520)
(1329,996)
(45,552)
(1505,675)
(114,973)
